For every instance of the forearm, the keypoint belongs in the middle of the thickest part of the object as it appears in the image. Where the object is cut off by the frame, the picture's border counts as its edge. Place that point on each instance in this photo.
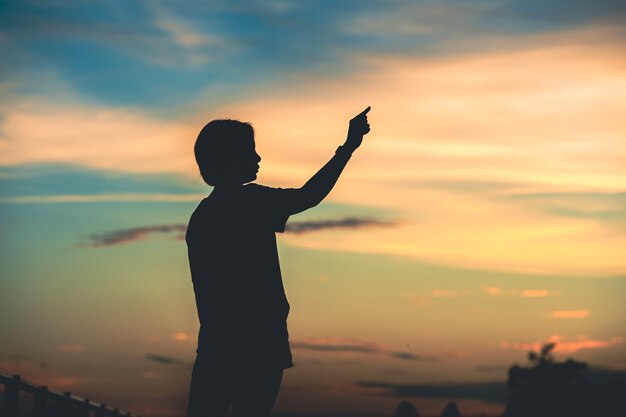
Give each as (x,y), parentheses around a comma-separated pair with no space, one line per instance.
(320,184)
(317,188)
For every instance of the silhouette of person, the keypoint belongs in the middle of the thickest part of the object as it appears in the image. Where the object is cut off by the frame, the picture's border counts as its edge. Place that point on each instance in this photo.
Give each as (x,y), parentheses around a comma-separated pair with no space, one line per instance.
(243,344)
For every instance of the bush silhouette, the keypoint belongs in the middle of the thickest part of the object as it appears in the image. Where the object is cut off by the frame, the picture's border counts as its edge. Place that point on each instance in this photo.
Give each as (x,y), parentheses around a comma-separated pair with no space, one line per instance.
(547,388)
(451,410)
(406,409)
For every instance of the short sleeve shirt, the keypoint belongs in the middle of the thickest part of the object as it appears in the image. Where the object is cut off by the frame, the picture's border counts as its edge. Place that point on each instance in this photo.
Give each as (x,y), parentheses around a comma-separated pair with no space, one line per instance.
(236,276)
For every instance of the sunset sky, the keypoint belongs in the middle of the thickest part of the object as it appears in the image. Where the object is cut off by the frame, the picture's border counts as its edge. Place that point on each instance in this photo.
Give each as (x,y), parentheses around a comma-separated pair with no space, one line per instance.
(484,215)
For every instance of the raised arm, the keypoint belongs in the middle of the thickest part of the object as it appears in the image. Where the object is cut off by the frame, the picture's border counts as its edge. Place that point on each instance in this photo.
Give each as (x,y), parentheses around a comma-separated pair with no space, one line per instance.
(320,184)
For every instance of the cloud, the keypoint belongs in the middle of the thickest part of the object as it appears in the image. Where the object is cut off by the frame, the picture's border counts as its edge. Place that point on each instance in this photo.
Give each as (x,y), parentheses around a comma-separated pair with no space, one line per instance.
(412,357)
(70,182)
(165,360)
(513,292)
(168,50)
(105,139)
(101,198)
(561,12)
(197,46)
(307,226)
(565,345)
(607,208)
(481,117)
(160,358)
(491,392)
(570,314)
(536,293)
(333,345)
(338,345)
(181,336)
(492,290)
(122,236)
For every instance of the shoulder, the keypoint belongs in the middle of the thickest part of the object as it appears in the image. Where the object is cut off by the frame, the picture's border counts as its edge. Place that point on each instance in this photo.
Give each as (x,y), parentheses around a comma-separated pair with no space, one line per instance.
(196,217)
(200,208)
(254,190)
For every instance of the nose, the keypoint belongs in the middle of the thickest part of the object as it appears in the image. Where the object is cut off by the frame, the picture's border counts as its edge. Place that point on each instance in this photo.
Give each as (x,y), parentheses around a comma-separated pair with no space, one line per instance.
(258,157)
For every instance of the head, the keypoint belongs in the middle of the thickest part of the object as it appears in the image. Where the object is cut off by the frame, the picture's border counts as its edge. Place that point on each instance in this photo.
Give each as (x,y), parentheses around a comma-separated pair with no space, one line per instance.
(226,153)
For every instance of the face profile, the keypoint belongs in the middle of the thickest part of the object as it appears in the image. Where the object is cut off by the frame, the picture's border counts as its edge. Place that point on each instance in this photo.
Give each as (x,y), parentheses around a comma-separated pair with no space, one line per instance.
(244,165)
(226,154)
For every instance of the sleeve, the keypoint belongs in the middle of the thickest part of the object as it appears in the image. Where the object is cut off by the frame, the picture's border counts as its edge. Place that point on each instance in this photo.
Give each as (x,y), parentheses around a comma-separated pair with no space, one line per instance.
(272,206)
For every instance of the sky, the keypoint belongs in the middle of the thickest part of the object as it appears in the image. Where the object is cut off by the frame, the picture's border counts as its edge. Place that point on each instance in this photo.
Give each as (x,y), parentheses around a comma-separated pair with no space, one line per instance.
(484,214)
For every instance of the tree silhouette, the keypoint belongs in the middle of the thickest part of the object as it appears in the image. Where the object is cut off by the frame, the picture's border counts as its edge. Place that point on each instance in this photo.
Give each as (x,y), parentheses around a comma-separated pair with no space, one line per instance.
(547,388)
(406,409)
(451,410)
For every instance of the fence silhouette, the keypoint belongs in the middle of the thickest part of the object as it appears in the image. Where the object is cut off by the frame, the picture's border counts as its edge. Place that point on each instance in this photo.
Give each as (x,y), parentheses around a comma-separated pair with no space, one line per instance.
(48,403)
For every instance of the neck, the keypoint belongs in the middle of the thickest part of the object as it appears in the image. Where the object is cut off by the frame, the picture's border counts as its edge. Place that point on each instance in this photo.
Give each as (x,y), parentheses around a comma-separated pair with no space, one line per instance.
(227,187)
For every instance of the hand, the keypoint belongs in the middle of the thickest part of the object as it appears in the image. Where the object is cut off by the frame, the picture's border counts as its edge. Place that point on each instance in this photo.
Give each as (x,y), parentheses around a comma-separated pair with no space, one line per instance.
(358,128)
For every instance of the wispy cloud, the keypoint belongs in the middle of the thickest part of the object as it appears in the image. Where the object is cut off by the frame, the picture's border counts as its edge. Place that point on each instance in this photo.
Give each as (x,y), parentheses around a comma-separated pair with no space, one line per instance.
(491,290)
(165,360)
(299,227)
(564,345)
(407,356)
(63,183)
(182,337)
(608,208)
(100,198)
(198,46)
(498,105)
(514,292)
(338,345)
(341,345)
(570,314)
(117,237)
(491,392)
(170,50)
(536,293)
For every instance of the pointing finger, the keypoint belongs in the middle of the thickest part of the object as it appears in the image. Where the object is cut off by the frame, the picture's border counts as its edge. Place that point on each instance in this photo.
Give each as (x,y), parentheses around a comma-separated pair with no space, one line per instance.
(364,112)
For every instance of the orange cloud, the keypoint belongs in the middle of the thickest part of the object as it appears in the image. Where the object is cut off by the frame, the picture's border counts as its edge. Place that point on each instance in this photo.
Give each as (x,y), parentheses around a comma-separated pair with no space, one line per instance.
(565,346)
(570,314)
(512,292)
(536,293)
(492,290)
(181,336)
(548,118)
(99,137)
